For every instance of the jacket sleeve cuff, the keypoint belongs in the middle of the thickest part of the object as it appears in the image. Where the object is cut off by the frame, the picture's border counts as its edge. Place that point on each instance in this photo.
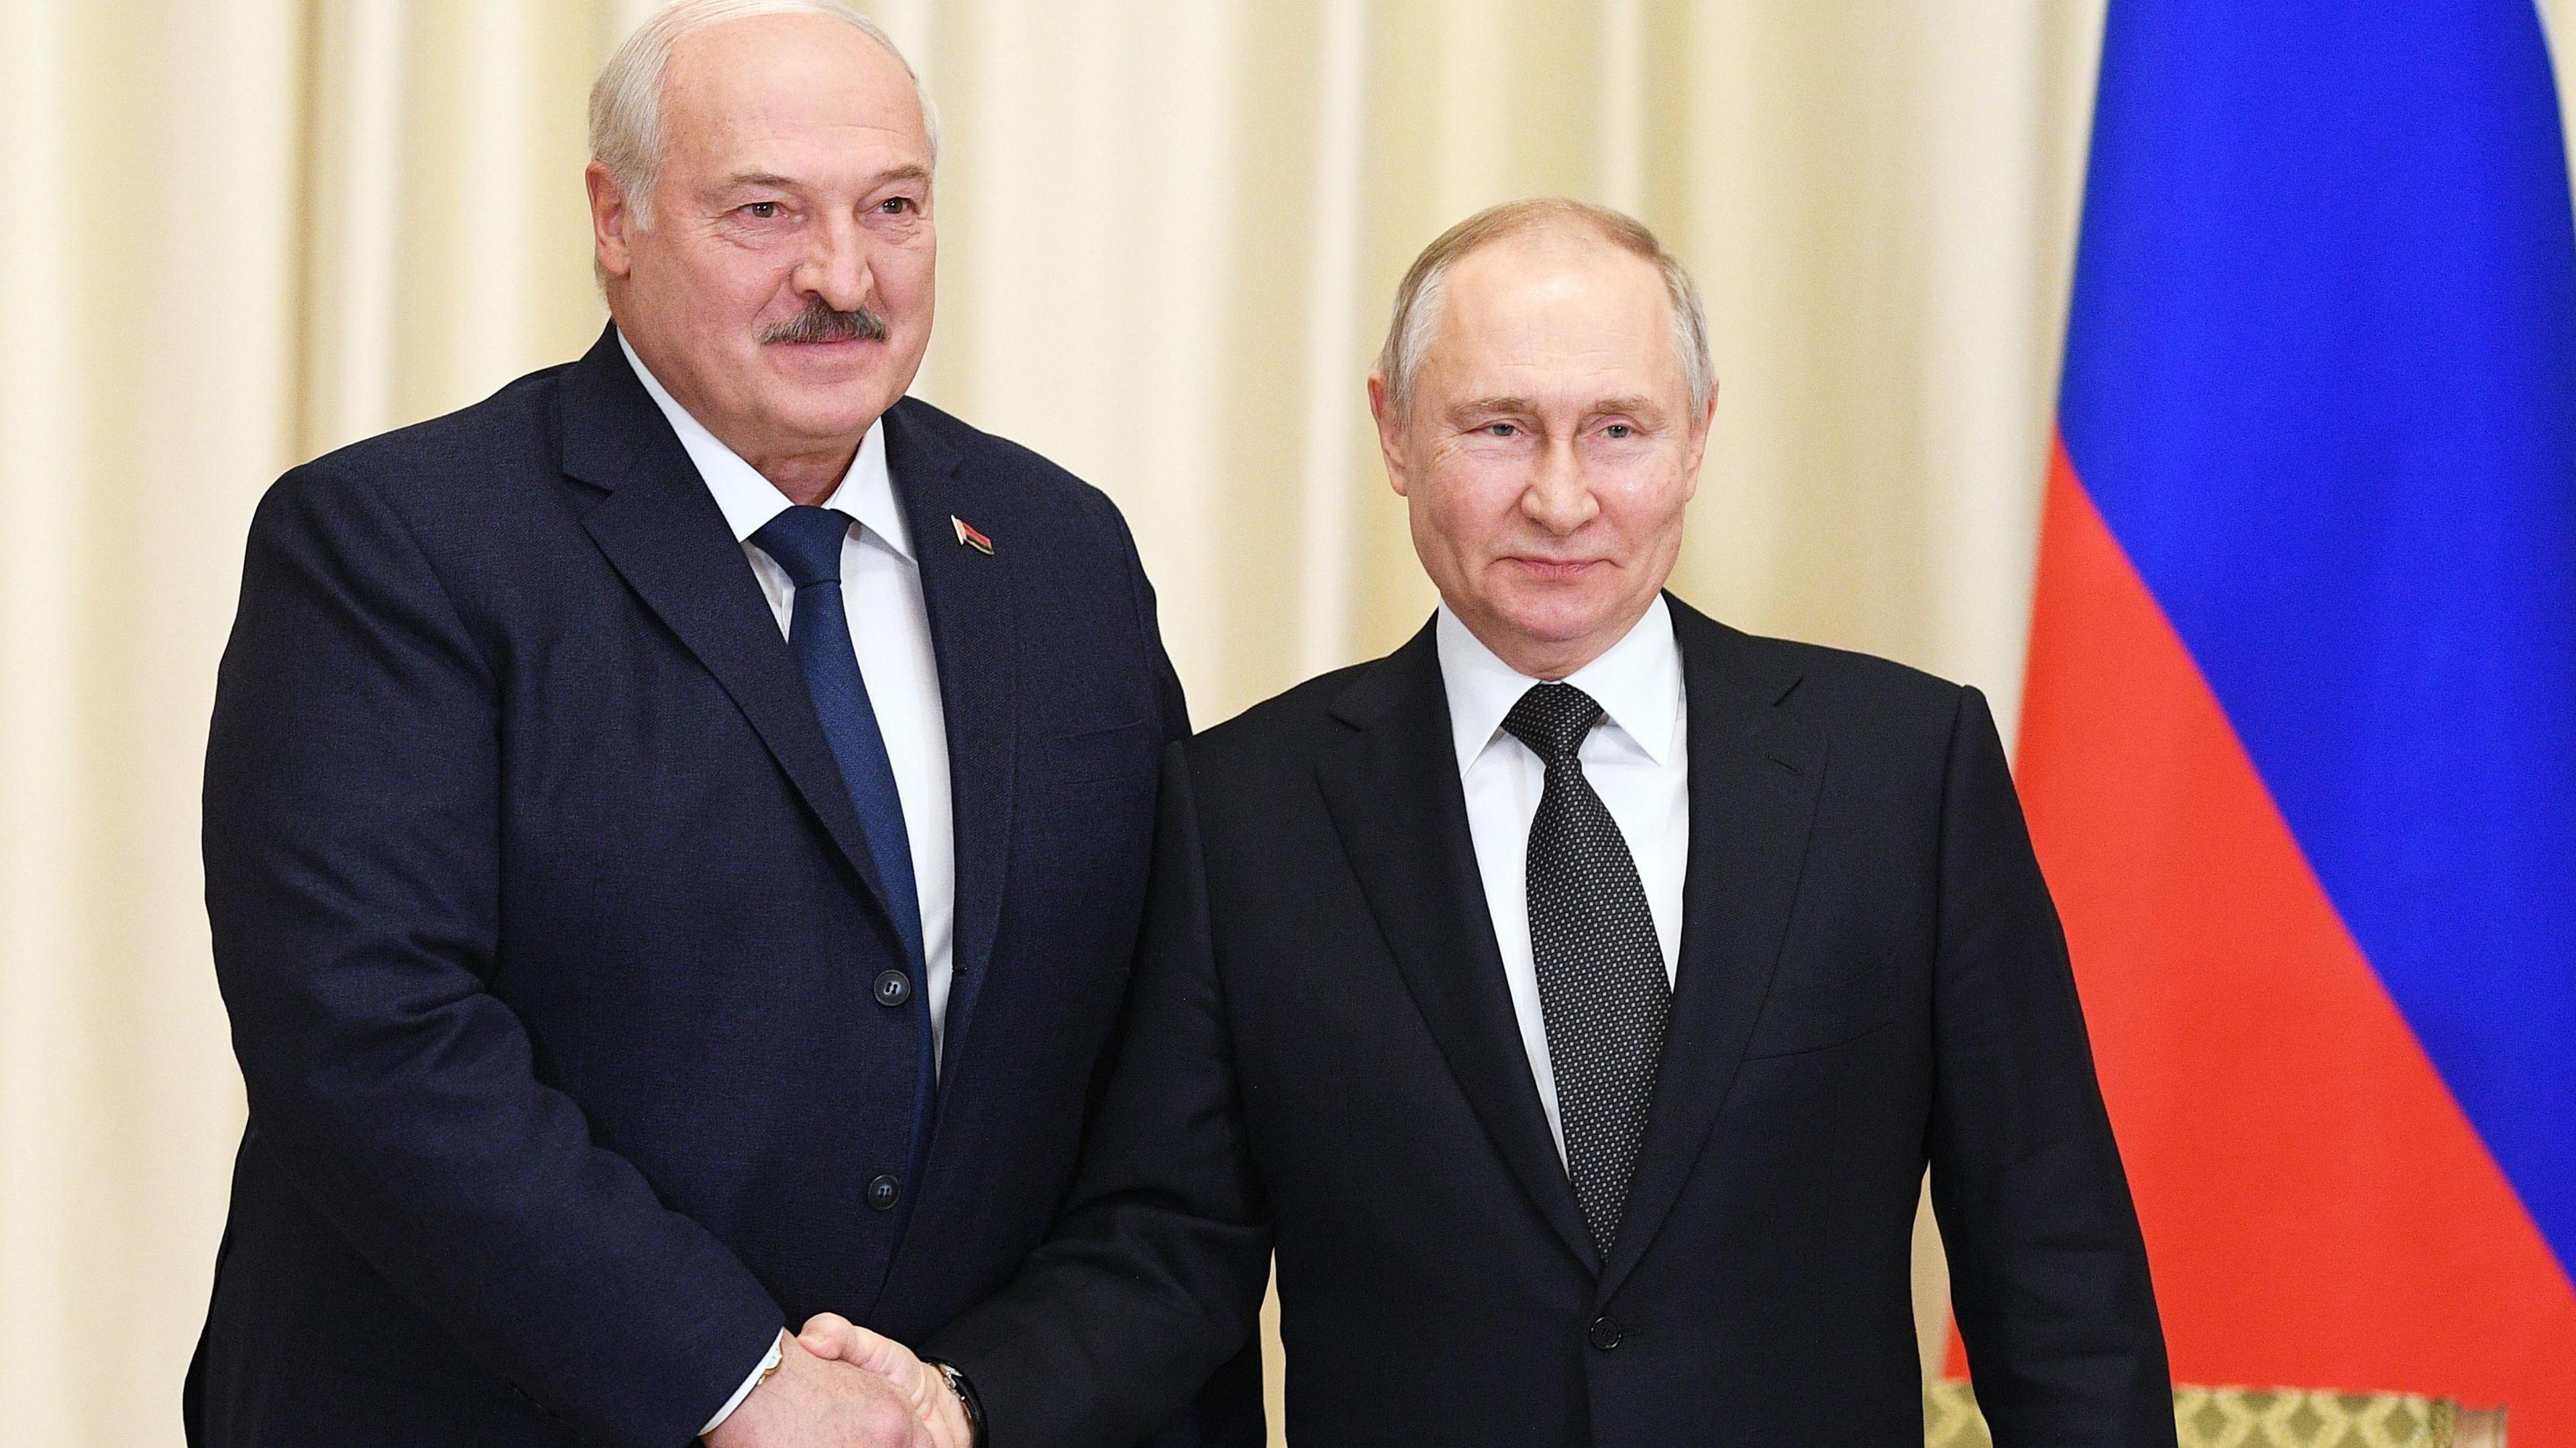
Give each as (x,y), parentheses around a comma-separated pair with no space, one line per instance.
(768,1364)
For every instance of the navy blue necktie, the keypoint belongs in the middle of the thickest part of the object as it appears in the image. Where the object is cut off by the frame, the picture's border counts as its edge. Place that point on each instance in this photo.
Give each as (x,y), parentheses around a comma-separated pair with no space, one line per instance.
(807,543)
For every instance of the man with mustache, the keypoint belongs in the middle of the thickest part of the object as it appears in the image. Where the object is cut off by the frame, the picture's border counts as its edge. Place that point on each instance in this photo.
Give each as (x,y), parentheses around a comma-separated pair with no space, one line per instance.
(819,322)
(1575,997)
(675,831)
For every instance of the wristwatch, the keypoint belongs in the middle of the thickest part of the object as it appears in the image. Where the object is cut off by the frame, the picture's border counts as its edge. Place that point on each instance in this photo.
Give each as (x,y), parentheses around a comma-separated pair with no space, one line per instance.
(966,1399)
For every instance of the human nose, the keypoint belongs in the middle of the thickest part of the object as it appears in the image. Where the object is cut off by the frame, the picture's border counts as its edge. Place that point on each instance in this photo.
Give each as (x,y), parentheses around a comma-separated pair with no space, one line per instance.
(835,267)
(1558,497)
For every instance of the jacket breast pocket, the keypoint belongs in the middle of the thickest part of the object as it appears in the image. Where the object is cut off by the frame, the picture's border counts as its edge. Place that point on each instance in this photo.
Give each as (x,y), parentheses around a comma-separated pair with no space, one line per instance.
(1114,751)
(1814,1006)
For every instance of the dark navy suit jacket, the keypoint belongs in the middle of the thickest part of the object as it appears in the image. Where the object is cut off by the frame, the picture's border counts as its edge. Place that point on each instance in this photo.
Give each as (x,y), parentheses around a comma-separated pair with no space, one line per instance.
(1320,1052)
(547,929)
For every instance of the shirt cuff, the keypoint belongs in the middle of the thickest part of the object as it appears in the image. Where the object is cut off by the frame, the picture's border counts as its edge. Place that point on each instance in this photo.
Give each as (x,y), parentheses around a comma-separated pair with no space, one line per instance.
(769,1362)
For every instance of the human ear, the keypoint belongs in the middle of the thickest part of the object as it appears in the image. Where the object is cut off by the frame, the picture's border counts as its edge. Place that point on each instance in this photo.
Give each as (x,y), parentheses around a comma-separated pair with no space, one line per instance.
(609,219)
(1390,434)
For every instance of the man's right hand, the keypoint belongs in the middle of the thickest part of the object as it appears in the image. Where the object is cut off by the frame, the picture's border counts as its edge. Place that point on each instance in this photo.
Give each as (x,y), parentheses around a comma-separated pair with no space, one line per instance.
(833,1336)
(813,1403)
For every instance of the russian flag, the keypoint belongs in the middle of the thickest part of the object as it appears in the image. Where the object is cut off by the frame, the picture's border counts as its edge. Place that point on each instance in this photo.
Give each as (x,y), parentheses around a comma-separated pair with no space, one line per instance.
(2299,745)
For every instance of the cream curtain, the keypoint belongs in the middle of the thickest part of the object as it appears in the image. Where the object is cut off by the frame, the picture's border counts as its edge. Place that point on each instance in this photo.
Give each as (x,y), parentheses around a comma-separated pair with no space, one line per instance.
(234,235)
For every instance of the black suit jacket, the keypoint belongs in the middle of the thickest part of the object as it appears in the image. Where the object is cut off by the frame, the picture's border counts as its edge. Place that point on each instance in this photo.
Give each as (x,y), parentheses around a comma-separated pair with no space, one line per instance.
(1320,1051)
(547,929)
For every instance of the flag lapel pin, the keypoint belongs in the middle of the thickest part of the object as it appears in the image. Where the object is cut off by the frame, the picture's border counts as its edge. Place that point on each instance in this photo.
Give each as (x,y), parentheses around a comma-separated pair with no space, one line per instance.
(970,537)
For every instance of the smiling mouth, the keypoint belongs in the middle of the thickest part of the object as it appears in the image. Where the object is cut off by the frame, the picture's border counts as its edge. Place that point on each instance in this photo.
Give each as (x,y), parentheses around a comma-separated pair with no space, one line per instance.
(1554,567)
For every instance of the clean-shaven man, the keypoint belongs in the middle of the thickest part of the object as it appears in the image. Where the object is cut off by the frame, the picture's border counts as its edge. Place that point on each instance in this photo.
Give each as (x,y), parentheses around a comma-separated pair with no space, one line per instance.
(1575,997)
(676,831)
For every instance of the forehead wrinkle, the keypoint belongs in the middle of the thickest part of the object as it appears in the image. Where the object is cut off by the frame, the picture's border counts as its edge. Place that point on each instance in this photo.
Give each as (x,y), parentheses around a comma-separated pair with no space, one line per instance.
(1552,326)
(1532,369)
(722,129)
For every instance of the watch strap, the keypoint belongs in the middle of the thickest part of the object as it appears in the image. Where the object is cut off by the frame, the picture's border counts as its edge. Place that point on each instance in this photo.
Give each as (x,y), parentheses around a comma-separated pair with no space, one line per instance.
(964,1388)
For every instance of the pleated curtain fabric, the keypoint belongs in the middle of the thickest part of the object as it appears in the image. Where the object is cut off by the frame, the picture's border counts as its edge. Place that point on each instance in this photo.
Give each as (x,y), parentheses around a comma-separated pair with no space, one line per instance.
(1169,236)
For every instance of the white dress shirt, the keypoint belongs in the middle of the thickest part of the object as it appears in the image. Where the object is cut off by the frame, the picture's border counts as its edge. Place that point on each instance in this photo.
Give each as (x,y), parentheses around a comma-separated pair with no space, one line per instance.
(1637,760)
(890,632)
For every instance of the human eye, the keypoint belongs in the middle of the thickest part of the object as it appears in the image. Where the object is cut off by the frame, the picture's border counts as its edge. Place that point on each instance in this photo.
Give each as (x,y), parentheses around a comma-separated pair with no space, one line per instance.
(1618,430)
(762,210)
(1500,429)
(898,206)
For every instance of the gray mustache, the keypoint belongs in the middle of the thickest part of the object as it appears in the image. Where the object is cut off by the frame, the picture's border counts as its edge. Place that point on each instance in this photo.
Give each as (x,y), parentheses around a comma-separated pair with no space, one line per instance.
(820,323)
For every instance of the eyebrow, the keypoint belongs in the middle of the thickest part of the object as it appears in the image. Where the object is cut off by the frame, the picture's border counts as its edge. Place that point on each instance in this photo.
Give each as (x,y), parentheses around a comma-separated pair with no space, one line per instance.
(1637,403)
(789,181)
(741,179)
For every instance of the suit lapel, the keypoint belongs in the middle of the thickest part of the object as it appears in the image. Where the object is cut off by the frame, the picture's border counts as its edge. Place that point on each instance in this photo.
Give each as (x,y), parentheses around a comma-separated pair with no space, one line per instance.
(1396,802)
(972,634)
(660,528)
(1754,779)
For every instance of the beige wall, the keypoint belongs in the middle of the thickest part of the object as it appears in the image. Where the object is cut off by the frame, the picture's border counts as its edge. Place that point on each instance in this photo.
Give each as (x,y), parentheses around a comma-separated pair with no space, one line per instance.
(233,235)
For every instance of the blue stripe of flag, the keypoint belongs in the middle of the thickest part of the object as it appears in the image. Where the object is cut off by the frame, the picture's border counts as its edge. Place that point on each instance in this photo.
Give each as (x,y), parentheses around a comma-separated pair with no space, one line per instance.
(2321,383)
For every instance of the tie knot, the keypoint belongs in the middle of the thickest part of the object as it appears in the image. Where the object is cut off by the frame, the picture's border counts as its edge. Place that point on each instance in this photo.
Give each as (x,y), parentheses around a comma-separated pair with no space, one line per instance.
(1552,720)
(806,542)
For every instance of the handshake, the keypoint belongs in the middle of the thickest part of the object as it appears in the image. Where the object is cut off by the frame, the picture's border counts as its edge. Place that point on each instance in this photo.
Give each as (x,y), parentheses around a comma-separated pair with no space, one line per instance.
(839,1385)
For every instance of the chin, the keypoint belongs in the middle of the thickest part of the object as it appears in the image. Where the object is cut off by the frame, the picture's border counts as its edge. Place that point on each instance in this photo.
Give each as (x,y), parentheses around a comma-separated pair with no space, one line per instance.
(835,412)
(827,395)
(1546,630)
(1562,615)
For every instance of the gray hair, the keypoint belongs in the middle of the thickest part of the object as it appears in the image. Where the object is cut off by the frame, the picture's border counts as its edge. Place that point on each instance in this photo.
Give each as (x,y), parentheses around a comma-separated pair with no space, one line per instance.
(626,101)
(1418,297)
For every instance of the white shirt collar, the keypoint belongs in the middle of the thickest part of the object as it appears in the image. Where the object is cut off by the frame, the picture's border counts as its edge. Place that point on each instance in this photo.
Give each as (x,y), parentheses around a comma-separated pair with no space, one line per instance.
(1637,682)
(749,501)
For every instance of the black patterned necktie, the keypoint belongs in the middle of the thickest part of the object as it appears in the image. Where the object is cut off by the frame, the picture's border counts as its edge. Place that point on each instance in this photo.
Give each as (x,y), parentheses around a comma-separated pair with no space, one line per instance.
(1601,982)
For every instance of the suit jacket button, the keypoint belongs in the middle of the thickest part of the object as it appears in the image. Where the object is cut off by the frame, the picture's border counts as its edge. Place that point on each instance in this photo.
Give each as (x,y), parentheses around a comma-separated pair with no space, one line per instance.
(882,1192)
(1604,1334)
(893,988)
